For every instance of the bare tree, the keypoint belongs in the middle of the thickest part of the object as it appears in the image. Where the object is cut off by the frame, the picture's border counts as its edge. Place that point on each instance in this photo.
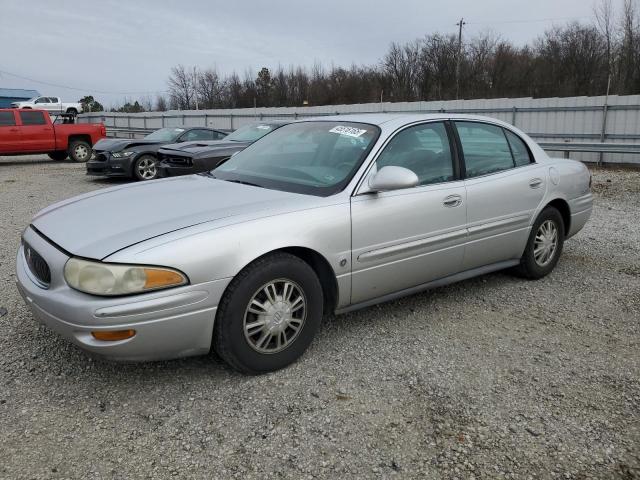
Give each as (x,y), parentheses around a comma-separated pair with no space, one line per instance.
(181,88)
(210,88)
(161,104)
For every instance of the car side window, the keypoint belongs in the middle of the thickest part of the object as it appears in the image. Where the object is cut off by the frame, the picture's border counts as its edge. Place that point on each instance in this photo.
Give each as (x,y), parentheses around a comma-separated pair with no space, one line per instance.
(7,119)
(53,100)
(41,100)
(484,147)
(219,135)
(423,149)
(32,118)
(194,135)
(521,155)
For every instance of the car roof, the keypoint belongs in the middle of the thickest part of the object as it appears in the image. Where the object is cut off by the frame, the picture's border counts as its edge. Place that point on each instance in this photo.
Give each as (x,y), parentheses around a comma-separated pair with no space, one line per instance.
(192,127)
(394,120)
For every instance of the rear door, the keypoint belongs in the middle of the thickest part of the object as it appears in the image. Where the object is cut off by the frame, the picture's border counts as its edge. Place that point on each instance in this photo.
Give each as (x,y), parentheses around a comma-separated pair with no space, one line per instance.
(10,135)
(37,133)
(504,188)
(404,238)
(54,105)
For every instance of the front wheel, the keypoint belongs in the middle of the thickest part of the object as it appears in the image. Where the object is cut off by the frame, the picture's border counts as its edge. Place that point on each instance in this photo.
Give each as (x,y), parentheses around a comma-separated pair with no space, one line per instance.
(79,150)
(544,245)
(269,314)
(145,168)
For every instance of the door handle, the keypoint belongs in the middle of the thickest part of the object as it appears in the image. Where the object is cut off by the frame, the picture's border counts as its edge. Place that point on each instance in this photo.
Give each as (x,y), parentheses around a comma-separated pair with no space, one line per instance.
(452,201)
(535,182)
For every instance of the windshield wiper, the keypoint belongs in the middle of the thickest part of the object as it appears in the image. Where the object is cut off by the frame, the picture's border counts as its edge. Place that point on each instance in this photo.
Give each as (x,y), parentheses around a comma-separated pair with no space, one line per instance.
(242,182)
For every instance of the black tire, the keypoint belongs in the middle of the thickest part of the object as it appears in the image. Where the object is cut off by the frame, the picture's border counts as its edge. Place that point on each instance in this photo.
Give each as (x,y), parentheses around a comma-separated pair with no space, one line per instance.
(139,169)
(58,156)
(79,151)
(229,340)
(72,111)
(529,267)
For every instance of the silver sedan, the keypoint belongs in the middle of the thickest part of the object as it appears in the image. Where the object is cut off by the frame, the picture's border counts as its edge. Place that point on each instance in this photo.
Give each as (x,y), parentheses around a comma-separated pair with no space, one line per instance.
(321,216)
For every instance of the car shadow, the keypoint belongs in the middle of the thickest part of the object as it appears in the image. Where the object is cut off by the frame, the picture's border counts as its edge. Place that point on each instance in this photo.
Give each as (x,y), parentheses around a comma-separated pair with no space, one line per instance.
(210,367)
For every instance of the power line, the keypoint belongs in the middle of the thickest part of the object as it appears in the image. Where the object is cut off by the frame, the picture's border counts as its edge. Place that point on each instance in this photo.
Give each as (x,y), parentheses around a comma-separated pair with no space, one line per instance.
(22,77)
(494,22)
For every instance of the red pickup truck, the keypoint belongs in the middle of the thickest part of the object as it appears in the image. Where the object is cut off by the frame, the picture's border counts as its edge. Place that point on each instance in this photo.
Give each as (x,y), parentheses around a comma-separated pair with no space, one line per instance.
(25,132)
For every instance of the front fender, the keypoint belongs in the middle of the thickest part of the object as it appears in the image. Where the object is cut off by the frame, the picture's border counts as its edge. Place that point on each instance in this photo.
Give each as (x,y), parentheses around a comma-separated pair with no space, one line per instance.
(221,249)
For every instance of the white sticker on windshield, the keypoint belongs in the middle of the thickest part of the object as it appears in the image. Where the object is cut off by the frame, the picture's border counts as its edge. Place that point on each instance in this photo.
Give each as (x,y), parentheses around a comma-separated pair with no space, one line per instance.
(264,127)
(348,131)
(179,129)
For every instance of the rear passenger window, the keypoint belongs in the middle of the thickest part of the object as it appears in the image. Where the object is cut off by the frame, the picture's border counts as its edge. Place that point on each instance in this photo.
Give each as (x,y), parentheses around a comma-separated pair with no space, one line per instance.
(7,119)
(423,149)
(485,148)
(520,151)
(32,118)
(194,135)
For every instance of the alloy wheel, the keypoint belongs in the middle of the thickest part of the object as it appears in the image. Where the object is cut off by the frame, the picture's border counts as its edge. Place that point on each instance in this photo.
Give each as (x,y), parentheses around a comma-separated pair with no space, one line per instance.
(81,152)
(147,168)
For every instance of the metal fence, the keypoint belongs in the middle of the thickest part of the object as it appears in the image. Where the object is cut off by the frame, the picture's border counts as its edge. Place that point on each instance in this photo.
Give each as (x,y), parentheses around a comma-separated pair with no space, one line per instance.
(592,129)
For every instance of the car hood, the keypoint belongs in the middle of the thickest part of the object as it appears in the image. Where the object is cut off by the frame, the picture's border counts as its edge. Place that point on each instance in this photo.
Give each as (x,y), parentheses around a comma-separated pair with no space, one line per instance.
(200,147)
(118,144)
(97,224)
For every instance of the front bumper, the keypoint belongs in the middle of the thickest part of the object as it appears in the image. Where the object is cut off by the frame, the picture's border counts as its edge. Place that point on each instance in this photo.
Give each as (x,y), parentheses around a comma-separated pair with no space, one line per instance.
(166,170)
(109,166)
(172,323)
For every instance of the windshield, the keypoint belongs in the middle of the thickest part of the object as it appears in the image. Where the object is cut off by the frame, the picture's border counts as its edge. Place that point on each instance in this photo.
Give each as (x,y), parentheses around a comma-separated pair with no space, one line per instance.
(165,134)
(317,158)
(251,133)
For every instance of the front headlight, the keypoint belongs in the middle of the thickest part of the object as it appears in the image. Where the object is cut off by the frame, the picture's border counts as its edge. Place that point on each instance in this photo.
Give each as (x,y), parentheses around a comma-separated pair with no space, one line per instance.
(108,279)
(121,154)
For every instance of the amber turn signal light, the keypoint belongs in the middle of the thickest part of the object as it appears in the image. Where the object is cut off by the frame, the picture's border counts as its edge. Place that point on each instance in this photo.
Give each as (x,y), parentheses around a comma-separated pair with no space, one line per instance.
(161,278)
(114,335)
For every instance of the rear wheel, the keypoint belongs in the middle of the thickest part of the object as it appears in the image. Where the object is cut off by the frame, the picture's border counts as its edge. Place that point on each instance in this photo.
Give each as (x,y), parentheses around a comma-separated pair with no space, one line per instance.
(79,150)
(58,156)
(72,111)
(544,245)
(145,168)
(269,314)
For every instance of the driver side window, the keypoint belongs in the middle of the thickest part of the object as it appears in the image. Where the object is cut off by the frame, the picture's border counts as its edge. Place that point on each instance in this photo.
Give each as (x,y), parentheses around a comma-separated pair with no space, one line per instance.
(423,149)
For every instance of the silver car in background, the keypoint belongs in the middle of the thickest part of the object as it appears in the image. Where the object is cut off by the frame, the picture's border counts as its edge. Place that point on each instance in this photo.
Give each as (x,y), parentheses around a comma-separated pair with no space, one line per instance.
(322,216)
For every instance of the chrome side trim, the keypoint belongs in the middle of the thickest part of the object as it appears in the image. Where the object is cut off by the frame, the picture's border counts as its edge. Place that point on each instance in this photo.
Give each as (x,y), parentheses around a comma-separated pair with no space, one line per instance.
(499,224)
(433,284)
(409,246)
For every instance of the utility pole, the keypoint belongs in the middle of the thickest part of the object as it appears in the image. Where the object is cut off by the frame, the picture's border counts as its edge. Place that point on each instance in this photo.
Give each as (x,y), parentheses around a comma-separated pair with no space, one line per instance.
(195,86)
(460,24)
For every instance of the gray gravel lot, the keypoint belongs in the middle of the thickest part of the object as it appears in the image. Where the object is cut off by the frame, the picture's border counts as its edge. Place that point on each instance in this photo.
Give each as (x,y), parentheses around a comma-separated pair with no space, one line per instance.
(495,377)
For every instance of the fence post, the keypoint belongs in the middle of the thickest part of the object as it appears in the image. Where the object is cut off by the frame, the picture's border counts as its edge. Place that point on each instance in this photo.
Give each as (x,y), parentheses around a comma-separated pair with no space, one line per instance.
(206,117)
(231,121)
(603,132)
(513,116)
(162,120)
(129,126)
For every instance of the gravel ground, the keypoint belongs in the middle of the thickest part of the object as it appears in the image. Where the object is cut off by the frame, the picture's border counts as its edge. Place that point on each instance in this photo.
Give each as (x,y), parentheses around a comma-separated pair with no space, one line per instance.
(495,377)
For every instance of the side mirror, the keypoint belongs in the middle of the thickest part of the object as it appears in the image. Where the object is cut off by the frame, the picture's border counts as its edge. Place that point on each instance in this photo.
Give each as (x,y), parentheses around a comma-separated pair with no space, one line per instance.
(393,178)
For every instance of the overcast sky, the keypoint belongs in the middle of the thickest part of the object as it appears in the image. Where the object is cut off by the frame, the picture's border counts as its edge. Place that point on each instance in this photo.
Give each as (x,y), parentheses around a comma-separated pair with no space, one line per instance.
(129,46)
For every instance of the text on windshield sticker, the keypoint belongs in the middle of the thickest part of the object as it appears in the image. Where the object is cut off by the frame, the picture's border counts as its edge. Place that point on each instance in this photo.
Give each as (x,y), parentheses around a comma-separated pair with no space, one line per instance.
(348,131)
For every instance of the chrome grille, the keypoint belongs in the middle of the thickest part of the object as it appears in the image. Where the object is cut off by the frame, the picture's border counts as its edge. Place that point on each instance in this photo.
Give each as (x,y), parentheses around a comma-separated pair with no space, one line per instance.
(37,265)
